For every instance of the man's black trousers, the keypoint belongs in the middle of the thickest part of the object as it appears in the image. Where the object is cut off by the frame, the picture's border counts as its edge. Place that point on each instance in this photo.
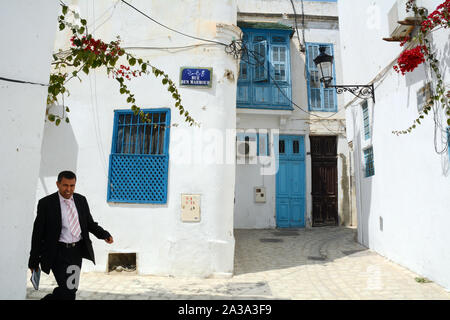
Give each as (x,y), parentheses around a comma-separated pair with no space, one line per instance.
(66,269)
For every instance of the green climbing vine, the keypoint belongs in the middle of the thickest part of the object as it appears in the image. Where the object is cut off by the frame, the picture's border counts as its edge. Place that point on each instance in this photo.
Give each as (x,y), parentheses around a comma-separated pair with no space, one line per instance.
(87,53)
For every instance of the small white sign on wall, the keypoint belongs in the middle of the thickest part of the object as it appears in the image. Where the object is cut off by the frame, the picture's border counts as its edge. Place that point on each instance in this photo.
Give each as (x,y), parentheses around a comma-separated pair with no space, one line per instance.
(260,194)
(190,207)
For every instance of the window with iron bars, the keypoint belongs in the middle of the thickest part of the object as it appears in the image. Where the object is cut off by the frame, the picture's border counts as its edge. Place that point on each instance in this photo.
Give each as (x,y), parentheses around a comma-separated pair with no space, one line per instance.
(138,164)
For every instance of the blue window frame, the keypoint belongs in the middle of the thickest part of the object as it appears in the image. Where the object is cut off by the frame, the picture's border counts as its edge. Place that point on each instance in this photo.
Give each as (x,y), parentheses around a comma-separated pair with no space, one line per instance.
(139,160)
(369,163)
(319,98)
(448,142)
(366,120)
(261,139)
(264,77)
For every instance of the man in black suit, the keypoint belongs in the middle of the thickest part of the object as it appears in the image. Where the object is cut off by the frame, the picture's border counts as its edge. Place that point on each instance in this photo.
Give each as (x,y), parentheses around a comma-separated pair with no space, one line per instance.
(61,236)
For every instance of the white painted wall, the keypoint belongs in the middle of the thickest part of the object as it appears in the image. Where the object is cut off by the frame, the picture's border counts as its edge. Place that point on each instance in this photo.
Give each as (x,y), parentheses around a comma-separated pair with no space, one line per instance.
(316,8)
(323,29)
(411,186)
(26,55)
(163,243)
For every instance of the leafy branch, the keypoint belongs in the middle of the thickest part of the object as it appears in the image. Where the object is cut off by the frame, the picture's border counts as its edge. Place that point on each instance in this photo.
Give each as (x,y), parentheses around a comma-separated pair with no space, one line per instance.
(88,53)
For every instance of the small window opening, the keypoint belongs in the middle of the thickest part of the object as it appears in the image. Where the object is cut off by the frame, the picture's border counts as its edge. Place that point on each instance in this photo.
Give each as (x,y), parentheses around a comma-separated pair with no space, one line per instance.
(122,262)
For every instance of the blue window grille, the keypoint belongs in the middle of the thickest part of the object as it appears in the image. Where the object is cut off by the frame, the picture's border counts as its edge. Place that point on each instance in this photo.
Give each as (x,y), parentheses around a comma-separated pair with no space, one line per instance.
(264,78)
(369,163)
(139,160)
(319,98)
(366,120)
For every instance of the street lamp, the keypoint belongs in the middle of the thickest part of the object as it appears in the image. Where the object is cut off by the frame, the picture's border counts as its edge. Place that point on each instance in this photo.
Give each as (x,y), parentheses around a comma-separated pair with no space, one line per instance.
(324,63)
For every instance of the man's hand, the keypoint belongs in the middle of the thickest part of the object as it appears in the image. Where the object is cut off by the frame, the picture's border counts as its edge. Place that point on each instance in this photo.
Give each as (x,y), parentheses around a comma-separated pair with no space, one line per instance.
(109,240)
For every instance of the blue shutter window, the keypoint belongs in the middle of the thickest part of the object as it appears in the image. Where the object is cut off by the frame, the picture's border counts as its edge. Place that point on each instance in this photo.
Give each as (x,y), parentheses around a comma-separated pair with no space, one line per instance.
(315,101)
(243,74)
(243,66)
(366,120)
(368,160)
(319,98)
(242,94)
(281,95)
(260,58)
(138,164)
(279,62)
(264,76)
(262,94)
(263,144)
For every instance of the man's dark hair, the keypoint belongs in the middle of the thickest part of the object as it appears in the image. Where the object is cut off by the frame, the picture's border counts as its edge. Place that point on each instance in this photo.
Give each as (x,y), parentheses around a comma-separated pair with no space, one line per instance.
(66,174)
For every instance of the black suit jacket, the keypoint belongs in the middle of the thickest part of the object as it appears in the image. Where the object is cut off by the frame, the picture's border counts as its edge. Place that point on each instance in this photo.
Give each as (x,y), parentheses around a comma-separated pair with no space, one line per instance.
(47,230)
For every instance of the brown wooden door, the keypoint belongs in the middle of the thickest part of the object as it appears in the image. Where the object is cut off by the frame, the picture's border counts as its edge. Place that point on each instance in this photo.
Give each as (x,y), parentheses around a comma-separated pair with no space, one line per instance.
(324,180)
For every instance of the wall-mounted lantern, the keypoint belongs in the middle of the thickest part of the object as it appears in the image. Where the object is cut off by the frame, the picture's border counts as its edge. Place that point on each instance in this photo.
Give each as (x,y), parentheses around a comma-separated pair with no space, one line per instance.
(324,63)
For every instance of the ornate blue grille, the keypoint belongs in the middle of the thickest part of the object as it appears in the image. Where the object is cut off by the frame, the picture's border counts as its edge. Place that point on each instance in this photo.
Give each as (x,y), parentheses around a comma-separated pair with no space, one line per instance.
(139,160)
(138,178)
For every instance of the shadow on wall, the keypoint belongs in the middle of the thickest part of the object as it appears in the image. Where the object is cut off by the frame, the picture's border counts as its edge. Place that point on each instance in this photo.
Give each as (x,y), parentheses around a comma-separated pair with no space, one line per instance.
(425,75)
(444,58)
(411,78)
(363,186)
(59,152)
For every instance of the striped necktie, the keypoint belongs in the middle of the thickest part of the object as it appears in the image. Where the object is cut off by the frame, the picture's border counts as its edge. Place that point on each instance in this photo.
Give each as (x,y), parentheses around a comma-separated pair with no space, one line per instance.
(74,224)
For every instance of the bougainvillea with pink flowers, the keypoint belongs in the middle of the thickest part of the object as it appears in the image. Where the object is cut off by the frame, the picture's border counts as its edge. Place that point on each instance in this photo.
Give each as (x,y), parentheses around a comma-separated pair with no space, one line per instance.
(87,53)
(410,59)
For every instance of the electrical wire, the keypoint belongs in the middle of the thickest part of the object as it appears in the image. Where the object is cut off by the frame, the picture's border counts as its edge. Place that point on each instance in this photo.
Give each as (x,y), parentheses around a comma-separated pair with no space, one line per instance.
(233,48)
(303,26)
(301,46)
(23,81)
(171,48)
(236,48)
(171,29)
(107,19)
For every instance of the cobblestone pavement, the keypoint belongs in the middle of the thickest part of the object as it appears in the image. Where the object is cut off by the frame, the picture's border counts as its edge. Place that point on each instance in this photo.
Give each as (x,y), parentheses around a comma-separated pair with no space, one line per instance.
(322,263)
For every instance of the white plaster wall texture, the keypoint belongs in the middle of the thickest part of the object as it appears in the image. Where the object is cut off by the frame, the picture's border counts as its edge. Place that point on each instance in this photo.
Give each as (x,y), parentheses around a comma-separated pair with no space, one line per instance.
(27,29)
(410,188)
(248,214)
(164,245)
(315,8)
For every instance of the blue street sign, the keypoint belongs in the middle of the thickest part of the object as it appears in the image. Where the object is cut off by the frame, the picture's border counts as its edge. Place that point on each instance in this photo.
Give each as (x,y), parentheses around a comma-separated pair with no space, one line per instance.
(196,77)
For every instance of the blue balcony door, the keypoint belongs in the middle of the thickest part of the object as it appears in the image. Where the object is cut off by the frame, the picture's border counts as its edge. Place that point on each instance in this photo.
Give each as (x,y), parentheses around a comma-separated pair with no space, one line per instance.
(291,182)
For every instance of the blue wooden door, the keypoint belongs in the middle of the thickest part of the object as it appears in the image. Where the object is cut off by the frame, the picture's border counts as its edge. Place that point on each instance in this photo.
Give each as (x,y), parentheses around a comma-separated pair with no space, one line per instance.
(291,182)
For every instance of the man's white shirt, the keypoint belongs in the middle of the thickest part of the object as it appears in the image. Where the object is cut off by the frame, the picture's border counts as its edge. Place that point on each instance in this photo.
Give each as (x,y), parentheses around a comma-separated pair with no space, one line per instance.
(66,236)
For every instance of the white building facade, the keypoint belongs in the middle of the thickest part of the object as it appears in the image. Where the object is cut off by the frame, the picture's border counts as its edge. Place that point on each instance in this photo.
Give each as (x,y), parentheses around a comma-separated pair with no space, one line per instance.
(140,186)
(402,182)
(28,30)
